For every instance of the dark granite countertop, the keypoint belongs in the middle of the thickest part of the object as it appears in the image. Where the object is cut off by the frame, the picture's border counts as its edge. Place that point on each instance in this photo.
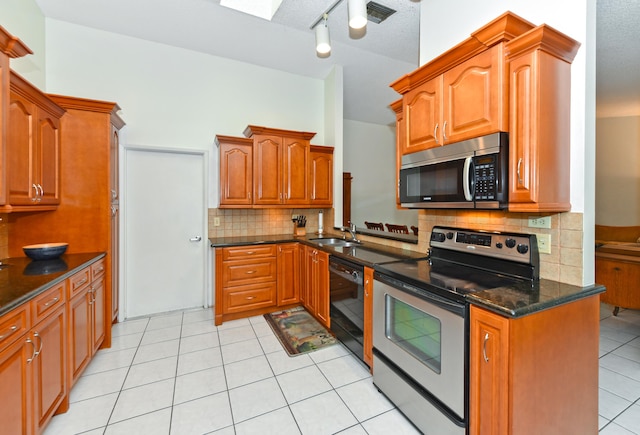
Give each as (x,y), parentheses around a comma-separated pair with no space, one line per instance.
(367,255)
(22,279)
(529,297)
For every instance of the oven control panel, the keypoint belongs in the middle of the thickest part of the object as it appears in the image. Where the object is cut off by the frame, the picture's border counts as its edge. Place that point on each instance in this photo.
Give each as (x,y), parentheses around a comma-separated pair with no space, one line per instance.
(518,247)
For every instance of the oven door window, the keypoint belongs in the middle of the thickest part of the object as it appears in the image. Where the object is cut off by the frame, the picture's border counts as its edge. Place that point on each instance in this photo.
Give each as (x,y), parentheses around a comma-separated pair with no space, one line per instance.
(415,331)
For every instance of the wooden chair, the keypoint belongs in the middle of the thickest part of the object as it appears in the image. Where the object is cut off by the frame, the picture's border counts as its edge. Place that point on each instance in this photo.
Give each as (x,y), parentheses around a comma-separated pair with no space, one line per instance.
(414,229)
(374,226)
(402,229)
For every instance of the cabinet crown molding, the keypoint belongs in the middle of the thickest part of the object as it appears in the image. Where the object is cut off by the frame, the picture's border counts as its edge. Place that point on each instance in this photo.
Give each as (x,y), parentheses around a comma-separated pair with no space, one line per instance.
(544,38)
(256,129)
(87,105)
(502,29)
(12,46)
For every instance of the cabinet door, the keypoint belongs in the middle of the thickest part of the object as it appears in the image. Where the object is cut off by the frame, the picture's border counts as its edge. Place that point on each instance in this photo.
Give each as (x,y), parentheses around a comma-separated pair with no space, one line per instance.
(474,97)
(48,161)
(49,369)
(16,387)
(296,177)
(489,369)
(267,170)
(97,294)
(236,170)
(80,346)
(422,109)
(368,317)
(539,151)
(617,276)
(321,287)
(21,152)
(321,177)
(288,274)
(308,290)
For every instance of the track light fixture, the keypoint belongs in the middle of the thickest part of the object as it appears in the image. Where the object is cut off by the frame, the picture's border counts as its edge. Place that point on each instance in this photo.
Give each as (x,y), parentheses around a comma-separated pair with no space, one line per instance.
(357,14)
(323,43)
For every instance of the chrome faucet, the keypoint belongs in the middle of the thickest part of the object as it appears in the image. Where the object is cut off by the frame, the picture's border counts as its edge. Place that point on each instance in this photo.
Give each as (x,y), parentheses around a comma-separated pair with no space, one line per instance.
(352,230)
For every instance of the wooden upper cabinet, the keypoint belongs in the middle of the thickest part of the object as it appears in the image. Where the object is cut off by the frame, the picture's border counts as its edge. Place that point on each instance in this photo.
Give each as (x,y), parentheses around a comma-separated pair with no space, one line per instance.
(396,106)
(474,97)
(467,101)
(236,171)
(321,176)
(32,149)
(539,142)
(462,93)
(423,109)
(280,162)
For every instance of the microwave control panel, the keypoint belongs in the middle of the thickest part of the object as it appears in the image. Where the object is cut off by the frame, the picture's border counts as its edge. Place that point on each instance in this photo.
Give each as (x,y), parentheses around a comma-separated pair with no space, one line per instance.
(486,178)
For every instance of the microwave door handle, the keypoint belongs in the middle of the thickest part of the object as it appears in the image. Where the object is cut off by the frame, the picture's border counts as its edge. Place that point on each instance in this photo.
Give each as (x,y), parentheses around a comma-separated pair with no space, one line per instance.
(468,180)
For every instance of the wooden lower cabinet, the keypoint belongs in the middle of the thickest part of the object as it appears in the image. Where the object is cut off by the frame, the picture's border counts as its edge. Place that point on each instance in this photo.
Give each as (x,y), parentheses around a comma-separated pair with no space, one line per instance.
(368,317)
(87,322)
(536,373)
(288,274)
(33,381)
(620,275)
(316,284)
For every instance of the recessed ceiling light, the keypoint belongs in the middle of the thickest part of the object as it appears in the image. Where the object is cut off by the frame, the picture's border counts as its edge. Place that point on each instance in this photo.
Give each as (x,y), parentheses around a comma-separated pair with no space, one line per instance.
(260,8)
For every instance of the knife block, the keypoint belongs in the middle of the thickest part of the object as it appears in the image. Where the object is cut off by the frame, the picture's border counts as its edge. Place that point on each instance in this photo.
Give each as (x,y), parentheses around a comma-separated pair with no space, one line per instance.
(298,231)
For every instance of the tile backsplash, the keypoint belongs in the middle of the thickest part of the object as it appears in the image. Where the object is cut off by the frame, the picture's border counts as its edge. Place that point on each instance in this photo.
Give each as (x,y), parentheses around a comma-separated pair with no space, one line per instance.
(564,264)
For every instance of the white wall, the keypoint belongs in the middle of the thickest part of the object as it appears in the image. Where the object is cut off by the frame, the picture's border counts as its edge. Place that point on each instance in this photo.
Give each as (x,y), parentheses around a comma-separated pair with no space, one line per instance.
(176,98)
(369,155)
(618,171)
(23,19)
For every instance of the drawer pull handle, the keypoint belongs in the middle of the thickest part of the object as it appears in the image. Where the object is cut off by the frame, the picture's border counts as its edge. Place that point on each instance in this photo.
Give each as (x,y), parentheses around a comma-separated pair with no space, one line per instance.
(250,298)
(484,348)
(250,252)
(249,272)
(51,302)
(13,329)
(79,283)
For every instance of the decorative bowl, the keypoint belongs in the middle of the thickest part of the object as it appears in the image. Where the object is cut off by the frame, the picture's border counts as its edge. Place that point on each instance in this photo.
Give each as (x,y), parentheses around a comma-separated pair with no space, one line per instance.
(45,251)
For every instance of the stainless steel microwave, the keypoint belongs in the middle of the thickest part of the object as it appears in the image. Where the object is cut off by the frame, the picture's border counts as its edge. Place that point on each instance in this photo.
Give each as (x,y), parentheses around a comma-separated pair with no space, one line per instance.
(469,174)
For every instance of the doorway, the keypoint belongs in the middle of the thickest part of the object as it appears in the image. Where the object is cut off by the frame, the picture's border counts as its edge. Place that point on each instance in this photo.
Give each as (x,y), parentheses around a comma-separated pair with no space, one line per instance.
(165,234)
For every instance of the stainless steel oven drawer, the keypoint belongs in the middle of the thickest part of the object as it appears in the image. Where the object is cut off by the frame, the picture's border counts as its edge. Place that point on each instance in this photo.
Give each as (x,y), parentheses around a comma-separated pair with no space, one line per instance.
(422,413)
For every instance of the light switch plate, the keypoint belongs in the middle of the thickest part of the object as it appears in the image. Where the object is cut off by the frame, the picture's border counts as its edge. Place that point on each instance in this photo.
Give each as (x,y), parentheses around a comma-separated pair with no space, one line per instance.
(544,243)
(540,222)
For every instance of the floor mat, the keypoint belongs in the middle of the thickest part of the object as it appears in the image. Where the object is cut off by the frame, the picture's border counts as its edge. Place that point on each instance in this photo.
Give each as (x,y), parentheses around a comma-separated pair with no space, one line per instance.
(298,331)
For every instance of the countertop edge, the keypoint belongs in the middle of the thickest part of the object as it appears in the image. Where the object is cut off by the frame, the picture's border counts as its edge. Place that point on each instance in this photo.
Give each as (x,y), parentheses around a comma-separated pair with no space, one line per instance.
(581,293)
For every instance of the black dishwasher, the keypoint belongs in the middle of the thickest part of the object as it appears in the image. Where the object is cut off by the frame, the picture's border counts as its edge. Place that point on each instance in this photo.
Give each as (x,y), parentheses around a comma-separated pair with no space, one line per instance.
(346,297)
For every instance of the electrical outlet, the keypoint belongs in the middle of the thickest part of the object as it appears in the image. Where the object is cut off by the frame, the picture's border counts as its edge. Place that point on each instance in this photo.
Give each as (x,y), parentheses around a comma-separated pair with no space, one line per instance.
(540,221)
(216,221)
(544,243)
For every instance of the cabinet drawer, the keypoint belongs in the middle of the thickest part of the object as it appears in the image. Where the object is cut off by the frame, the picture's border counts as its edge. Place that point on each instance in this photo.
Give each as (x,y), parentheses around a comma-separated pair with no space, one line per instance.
(248,271)
(245,252)
(249,297)
(97,269)
(48,302)
(79,281)
(13,325)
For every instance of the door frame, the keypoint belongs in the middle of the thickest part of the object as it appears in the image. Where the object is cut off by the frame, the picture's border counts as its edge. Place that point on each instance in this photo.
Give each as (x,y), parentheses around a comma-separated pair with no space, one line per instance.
(207,279)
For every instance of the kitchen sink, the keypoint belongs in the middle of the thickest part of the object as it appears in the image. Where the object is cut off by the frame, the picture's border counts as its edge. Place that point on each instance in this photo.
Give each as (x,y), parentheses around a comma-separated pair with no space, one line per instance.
(335,241)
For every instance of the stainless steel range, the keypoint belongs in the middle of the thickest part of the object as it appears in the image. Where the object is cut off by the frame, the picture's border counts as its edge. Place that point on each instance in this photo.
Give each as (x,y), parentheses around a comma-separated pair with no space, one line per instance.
(421,324)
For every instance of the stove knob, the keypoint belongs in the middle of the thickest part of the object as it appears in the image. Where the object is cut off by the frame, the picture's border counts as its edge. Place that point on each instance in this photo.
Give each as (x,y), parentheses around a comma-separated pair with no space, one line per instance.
(449,235)
(499,245)
(523,249)
(437,237)
(510,243)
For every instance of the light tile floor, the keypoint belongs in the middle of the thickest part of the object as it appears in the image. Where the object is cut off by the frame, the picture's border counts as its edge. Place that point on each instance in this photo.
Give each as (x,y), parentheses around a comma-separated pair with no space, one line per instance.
(178,374)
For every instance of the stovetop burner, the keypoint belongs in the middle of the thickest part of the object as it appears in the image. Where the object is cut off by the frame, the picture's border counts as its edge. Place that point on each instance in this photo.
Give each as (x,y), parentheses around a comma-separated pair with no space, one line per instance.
(466,261)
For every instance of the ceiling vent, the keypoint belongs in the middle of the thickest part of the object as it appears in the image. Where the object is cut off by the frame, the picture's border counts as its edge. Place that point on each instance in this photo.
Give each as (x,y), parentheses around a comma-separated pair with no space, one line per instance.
(377,13)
